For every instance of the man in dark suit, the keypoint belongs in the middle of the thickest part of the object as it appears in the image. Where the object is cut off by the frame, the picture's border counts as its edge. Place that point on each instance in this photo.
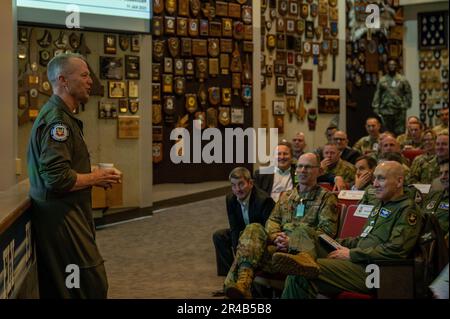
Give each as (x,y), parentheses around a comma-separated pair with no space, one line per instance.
(246,205)
(282,177)
(347,154)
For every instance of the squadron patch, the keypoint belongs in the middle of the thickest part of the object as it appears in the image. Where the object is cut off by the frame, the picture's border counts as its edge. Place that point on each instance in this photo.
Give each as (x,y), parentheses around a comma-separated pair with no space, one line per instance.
(59,132)
(385,213)
(412,219)
(431,204)
(443,206)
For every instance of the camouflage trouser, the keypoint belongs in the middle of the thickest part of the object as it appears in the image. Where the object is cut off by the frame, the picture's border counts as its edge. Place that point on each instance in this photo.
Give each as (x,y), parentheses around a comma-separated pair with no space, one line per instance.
(254,251)
(335,276)
(395,123)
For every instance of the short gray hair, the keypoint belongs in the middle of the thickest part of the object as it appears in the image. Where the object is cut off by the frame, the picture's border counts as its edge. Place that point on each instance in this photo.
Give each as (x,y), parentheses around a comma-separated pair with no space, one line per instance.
(240,172)
(60,64)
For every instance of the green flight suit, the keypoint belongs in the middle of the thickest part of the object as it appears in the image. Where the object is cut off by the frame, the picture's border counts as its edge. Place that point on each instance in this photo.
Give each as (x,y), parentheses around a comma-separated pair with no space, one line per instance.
(395,229)
(366,145)
(424,169)
(437,203)
(62,220)
(392,98)
(344,169)
(319,216)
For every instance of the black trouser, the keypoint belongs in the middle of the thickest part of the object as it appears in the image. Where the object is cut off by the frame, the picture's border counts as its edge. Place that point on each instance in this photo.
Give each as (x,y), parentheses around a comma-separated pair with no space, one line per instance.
(224,251)
(395,123)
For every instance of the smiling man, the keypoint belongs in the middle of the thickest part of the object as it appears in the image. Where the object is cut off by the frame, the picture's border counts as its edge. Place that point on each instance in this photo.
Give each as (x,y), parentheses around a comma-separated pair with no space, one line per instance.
(283,176)
(390,233)
(60,187)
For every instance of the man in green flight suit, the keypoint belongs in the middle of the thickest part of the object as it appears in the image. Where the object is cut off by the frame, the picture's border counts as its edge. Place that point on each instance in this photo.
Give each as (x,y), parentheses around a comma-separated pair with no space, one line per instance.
(60,188)
(437,201)
(392,98)
(390,233)
(299,214)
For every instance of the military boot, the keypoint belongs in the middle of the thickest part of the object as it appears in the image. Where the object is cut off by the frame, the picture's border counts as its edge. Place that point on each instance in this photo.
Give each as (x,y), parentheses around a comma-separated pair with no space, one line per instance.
(302,264)
(241,289)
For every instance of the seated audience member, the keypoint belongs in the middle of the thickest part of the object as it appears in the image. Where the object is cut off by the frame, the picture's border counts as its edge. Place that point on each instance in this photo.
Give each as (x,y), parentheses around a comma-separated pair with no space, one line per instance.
(333,164)
(283,176)
(412,192)
(347,154)
(437,201)
(245,205)
(424,168)
(298,146)
(390,233)
(390,145)
(369,143)
(443,127)
(365,166)
(441,155)
(299,214)
(413,136)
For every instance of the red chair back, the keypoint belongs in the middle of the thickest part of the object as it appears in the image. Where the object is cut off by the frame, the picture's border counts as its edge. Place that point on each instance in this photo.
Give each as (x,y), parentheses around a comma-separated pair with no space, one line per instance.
(352,225)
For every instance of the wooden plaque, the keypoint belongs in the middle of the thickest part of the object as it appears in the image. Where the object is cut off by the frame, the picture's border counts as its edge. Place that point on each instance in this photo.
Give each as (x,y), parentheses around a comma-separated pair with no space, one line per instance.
(128,127)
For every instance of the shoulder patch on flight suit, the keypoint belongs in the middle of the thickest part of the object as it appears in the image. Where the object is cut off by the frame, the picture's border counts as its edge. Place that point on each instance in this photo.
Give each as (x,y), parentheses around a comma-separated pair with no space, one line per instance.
(412,219)
(431,204)
(59,132)
(443,206)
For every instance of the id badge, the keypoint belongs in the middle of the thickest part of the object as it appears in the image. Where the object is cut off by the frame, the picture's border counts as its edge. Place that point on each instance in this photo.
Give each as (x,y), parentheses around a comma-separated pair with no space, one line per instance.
(300,210)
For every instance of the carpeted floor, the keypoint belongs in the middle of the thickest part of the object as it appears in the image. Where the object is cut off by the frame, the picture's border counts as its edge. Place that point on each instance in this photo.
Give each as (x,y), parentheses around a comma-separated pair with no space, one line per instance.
(168,255)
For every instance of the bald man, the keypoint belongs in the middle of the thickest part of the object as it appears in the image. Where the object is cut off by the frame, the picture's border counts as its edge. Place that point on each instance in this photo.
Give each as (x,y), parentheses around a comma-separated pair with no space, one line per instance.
(390,233)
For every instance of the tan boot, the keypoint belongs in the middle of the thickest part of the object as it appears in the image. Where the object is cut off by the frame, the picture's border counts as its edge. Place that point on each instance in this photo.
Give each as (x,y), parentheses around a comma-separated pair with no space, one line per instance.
(241,289)
(301,264)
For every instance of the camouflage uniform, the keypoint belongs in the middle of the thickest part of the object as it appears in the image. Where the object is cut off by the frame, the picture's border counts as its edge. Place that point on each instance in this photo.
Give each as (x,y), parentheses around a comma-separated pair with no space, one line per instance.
(437,203)
(391,232)
(320,216)
(344,169)
(424,169)
(405,140)
(391,100)
(366,144)
(440,129)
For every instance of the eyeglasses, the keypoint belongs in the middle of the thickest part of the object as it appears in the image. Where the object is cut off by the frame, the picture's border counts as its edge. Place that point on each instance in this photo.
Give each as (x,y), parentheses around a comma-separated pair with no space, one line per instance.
(306,167)
(339,139)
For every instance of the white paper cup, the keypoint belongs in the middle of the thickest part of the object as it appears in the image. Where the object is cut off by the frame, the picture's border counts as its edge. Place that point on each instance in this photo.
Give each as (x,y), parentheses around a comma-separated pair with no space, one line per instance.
(105,165)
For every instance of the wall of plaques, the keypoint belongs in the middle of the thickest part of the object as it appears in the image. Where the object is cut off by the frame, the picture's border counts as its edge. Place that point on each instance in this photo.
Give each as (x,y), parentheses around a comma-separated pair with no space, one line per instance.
(367,54)
(433,64)
(201,70)
(299,39)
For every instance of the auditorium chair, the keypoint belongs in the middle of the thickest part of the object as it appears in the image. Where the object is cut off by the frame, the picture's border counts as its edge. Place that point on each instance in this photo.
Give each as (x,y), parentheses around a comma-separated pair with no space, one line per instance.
(411,153)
